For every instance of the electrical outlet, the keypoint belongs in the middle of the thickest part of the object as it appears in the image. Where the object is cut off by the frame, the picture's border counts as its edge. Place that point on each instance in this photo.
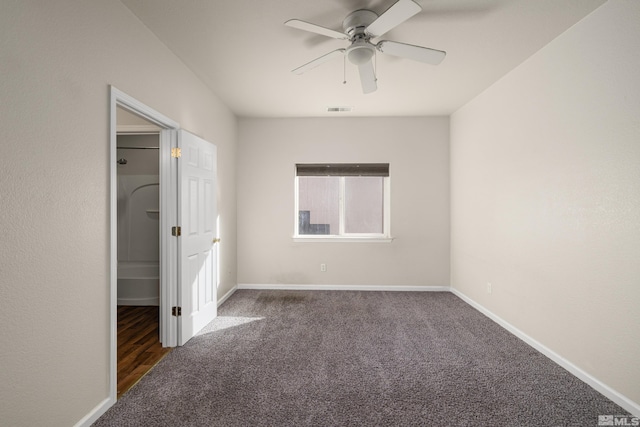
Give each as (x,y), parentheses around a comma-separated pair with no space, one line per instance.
(489,287)
(323,267)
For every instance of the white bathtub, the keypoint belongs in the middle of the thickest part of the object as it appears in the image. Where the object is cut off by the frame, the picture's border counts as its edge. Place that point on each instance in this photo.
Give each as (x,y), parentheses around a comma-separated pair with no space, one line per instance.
(138,283)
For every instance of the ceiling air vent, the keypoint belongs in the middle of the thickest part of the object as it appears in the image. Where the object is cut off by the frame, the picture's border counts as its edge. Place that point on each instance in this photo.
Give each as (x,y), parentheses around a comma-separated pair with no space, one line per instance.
(339,109)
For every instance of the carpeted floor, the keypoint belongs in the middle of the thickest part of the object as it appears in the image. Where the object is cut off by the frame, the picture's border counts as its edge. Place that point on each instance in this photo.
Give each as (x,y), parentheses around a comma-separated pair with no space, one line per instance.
(336,358)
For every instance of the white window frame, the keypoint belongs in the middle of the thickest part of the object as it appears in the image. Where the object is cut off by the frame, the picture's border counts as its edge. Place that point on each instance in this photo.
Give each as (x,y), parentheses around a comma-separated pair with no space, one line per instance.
(384,237)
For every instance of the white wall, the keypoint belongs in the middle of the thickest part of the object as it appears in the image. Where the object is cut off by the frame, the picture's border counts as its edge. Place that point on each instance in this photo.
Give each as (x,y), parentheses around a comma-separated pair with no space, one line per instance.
(57,60)
(545,178)
(418,153)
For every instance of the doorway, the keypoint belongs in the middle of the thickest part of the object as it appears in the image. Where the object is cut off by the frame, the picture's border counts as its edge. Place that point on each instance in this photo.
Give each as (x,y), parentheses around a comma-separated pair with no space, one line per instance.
(138,282)
(188,234)
(141,177)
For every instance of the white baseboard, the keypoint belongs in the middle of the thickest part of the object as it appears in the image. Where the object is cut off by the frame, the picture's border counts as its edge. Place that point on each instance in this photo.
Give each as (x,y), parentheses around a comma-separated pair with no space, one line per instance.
(388,288)
(96,413)
(599,386)
(226,296)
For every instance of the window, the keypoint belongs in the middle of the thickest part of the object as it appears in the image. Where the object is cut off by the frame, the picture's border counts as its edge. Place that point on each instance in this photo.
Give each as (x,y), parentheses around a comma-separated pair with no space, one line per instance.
(342,201)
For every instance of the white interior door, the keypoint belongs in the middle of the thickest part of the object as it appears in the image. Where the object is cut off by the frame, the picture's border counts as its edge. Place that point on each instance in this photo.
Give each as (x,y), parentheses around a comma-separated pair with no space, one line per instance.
(197,247)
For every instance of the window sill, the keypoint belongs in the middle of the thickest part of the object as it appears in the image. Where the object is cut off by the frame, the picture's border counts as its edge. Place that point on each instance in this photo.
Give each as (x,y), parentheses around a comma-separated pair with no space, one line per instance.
(341,239)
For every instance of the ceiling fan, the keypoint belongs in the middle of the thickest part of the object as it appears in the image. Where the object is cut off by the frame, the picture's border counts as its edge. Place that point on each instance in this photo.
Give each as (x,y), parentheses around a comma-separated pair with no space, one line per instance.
(359,28)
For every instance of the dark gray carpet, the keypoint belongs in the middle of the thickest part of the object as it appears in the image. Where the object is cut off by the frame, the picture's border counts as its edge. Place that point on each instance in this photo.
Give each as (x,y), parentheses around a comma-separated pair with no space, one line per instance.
(335,358)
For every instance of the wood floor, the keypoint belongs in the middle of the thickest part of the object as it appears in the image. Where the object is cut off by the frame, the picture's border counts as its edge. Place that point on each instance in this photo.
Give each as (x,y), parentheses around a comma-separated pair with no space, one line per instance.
(139,347)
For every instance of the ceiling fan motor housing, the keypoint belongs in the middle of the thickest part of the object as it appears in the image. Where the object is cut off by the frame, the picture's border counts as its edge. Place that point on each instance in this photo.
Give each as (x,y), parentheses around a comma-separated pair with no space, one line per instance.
(356,22)
(360,51)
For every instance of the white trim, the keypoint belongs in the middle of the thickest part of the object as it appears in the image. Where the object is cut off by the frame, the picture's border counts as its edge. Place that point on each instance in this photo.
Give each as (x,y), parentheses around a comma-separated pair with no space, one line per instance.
(121,99)
(95,413)
(599,386)
(113,248)
(386,214)
(134,106)
(314,287)
(168,245)
(341,239)
(227,295)
(341,205)
(296,202)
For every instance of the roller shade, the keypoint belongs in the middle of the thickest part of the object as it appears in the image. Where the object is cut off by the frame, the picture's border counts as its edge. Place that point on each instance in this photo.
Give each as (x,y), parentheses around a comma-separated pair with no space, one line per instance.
(343,169)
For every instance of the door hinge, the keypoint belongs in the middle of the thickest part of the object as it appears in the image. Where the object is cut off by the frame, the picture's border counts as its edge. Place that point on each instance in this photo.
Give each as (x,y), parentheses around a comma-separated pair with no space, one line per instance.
(176,231)
(176,311)
(176,153)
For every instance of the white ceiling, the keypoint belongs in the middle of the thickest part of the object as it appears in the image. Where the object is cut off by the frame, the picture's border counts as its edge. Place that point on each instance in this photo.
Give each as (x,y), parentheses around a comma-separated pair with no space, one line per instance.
(242,50)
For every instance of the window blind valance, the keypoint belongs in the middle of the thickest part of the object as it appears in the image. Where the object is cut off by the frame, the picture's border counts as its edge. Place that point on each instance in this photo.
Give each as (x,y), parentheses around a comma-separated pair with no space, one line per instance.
(343,169)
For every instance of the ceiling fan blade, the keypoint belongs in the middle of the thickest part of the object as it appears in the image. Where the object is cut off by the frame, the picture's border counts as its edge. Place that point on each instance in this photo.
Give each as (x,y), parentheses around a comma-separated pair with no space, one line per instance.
(392,17)
(318,61)
(367,77)
(313,28)
(416,53)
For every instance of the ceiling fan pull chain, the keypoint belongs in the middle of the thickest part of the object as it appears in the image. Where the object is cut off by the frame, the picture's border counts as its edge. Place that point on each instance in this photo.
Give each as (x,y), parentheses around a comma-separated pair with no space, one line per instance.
(375,64)
(344,70)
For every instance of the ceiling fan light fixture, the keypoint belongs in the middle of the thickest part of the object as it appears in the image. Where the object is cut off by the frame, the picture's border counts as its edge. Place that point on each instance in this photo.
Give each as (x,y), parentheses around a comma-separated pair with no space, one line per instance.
(360,52)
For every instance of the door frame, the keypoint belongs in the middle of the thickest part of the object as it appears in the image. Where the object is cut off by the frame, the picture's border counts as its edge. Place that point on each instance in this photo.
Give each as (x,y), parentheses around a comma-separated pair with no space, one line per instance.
(168,218)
